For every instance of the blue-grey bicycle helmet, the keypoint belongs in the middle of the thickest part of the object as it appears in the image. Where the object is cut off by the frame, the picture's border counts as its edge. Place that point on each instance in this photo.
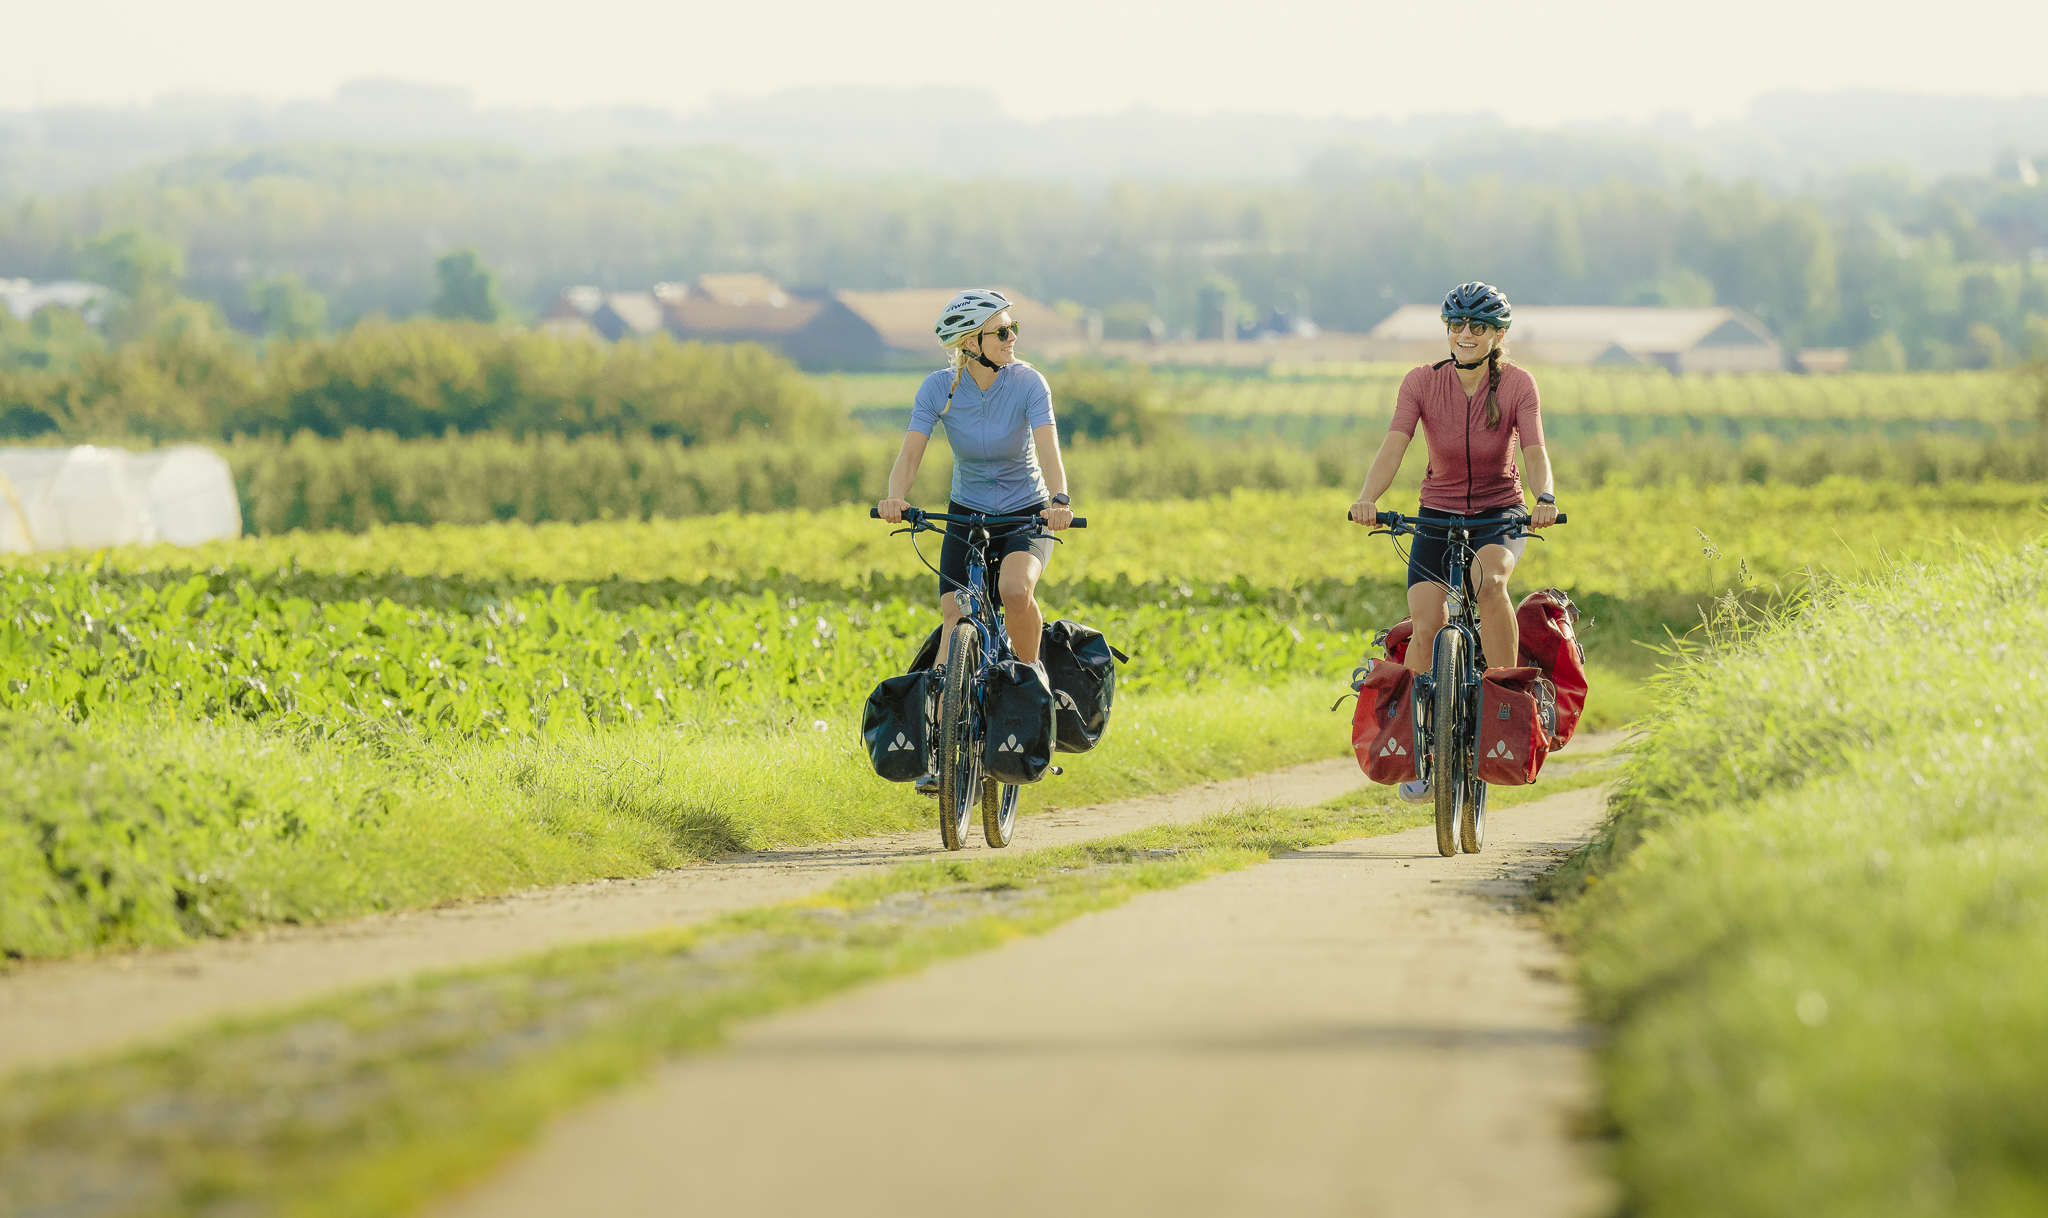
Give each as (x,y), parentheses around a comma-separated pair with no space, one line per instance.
(1477,301)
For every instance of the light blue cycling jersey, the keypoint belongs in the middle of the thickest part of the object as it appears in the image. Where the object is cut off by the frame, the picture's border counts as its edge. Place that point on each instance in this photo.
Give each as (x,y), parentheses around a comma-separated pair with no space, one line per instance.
(995,464)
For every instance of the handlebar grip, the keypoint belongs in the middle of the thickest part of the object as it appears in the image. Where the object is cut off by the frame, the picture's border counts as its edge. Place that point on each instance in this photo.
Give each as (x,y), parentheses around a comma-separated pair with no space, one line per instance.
(874,513)
(1080,522)
(1561,517)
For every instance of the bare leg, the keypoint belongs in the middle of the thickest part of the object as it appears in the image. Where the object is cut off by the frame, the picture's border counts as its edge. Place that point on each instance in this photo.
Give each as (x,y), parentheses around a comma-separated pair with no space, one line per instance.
(1426,609)
(1498,630)
(1018,584)
(949,609)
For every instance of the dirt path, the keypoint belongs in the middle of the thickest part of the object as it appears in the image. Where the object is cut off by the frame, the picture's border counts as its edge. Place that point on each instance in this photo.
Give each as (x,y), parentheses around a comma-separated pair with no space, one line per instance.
(51,1011)
(1364,1028)
(67,1009)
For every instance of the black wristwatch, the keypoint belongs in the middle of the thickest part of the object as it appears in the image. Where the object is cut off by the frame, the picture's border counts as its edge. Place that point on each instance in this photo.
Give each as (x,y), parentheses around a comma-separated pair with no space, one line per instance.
(1547,498)
(1061,499)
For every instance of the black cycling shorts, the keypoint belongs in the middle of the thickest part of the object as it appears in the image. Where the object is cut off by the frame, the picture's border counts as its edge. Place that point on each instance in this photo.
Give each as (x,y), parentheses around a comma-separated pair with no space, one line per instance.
(1004,540)
(1429,551)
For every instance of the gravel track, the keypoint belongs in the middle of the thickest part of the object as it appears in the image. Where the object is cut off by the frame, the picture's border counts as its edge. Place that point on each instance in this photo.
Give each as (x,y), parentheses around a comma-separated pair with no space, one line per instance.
(1362,1028)
(52,1011)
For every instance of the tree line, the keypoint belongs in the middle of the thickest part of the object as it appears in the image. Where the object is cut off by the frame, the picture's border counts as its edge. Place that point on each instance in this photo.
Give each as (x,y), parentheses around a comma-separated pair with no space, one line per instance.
(188,378)
(1952,273)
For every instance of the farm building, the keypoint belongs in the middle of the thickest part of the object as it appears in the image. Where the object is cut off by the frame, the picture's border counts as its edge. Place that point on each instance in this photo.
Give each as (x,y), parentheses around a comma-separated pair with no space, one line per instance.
(840,331)
(1680,340)
(23,297)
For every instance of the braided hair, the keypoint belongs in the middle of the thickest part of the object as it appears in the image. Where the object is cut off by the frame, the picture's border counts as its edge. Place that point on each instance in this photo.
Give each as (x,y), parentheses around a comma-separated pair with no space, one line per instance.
(1493,358)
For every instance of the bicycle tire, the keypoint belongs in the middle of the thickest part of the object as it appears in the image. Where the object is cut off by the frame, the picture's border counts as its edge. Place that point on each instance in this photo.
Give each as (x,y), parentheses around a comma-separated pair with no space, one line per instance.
(1447,767)
(959,751)
(998,811)
(1472,837)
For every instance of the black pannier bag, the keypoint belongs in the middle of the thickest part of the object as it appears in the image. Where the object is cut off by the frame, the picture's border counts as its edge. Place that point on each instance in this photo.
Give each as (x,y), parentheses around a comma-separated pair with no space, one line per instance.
(896,727)
(1017,723)
(1082,666)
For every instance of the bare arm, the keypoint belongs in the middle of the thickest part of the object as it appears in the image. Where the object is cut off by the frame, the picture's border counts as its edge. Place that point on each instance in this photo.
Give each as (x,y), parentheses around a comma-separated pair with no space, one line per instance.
(902,475)
(1539,482)
(1381,476)
(1046,439)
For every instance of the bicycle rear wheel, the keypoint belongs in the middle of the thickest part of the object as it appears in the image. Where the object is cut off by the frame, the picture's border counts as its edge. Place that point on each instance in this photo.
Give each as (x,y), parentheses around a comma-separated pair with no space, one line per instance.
(1447,765)
(998,811)
(959,743)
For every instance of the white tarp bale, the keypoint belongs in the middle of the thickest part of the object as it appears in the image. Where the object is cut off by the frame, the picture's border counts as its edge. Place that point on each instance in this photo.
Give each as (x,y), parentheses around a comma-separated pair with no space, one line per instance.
(188,494)
(89,498)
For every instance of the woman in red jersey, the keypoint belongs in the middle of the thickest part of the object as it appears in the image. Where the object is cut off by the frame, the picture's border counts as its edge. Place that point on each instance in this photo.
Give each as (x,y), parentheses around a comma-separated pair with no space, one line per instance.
(1475,407)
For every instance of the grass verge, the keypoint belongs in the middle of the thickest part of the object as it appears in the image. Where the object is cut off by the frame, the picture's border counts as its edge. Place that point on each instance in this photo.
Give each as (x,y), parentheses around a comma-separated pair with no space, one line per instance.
(1816,921)
(119,833)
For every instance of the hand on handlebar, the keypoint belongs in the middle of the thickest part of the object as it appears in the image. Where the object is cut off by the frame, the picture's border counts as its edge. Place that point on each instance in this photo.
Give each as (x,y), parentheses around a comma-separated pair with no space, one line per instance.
(1365,512)
(1544,516)
(1058,517)
(892,510)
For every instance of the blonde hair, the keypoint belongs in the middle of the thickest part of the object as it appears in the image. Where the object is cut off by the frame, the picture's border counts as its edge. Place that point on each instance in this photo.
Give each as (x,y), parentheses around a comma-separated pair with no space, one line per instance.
(1493,359)
(956,359)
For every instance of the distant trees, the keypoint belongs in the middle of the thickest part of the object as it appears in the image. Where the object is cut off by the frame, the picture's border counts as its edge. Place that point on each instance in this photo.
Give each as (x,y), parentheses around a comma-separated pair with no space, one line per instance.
(288,309)
(1843,265)
(469,291)
(417,379)
(145,269)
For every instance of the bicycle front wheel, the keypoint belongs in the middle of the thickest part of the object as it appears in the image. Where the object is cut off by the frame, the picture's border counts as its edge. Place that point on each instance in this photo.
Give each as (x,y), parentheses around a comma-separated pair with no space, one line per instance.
(998,811)
(1447,761)
(1473,835)
(959,742)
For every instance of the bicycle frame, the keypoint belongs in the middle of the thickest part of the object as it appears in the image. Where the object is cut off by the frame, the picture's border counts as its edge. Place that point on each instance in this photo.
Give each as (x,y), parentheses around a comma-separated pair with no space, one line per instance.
(976,605)
(1451,770)
(964,733)
(1461,615)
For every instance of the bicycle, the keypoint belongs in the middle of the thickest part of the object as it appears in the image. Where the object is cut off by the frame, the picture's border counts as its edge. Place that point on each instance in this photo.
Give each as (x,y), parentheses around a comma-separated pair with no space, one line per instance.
(1446,698)
(958,735)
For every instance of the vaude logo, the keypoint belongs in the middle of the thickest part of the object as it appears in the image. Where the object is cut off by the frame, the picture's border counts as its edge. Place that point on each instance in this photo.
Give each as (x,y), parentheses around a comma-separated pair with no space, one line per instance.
(1067,700)
(900,744)
(1010,745)
(1501,749)
(1394,748)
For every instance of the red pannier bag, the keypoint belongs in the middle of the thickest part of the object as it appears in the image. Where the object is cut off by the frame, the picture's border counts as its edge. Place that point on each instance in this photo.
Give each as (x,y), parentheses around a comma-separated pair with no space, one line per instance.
(1394,639)
(1546,618)
(1512,738)
(1383,726)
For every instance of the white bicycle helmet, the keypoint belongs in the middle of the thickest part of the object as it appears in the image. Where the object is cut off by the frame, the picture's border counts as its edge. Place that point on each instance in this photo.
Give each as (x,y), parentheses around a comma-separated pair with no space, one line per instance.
(967,313)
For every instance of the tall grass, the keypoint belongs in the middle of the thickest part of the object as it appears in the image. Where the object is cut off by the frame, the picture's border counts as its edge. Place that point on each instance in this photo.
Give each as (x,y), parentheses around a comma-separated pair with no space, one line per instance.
(1816,921)
(123,832)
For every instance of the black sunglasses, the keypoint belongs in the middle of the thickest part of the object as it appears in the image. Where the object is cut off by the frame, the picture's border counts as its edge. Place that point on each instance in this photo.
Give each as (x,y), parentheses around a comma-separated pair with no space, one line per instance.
(1003,334)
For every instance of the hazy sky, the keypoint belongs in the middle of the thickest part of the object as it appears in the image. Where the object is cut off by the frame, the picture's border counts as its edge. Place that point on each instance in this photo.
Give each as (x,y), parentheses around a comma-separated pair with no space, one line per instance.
(1536,63)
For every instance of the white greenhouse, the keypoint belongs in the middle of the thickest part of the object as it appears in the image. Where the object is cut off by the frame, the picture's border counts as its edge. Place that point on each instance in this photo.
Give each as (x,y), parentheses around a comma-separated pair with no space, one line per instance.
(88,498)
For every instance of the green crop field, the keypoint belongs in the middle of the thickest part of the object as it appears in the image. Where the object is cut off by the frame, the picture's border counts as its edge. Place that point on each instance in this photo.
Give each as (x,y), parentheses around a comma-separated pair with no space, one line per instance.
(455,710)
(1368,390)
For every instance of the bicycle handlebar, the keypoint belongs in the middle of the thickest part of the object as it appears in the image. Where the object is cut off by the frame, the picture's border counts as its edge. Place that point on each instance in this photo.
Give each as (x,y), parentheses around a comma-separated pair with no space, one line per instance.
(1395,519)
(919,516)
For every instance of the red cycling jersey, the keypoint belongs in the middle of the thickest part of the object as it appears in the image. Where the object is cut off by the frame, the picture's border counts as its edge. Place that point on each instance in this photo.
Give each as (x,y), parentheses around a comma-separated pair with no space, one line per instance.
(1471,466)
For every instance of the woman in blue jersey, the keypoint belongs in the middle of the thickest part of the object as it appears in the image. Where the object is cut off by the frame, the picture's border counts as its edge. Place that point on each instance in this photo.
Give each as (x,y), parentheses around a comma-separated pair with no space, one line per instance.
(1006,459)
